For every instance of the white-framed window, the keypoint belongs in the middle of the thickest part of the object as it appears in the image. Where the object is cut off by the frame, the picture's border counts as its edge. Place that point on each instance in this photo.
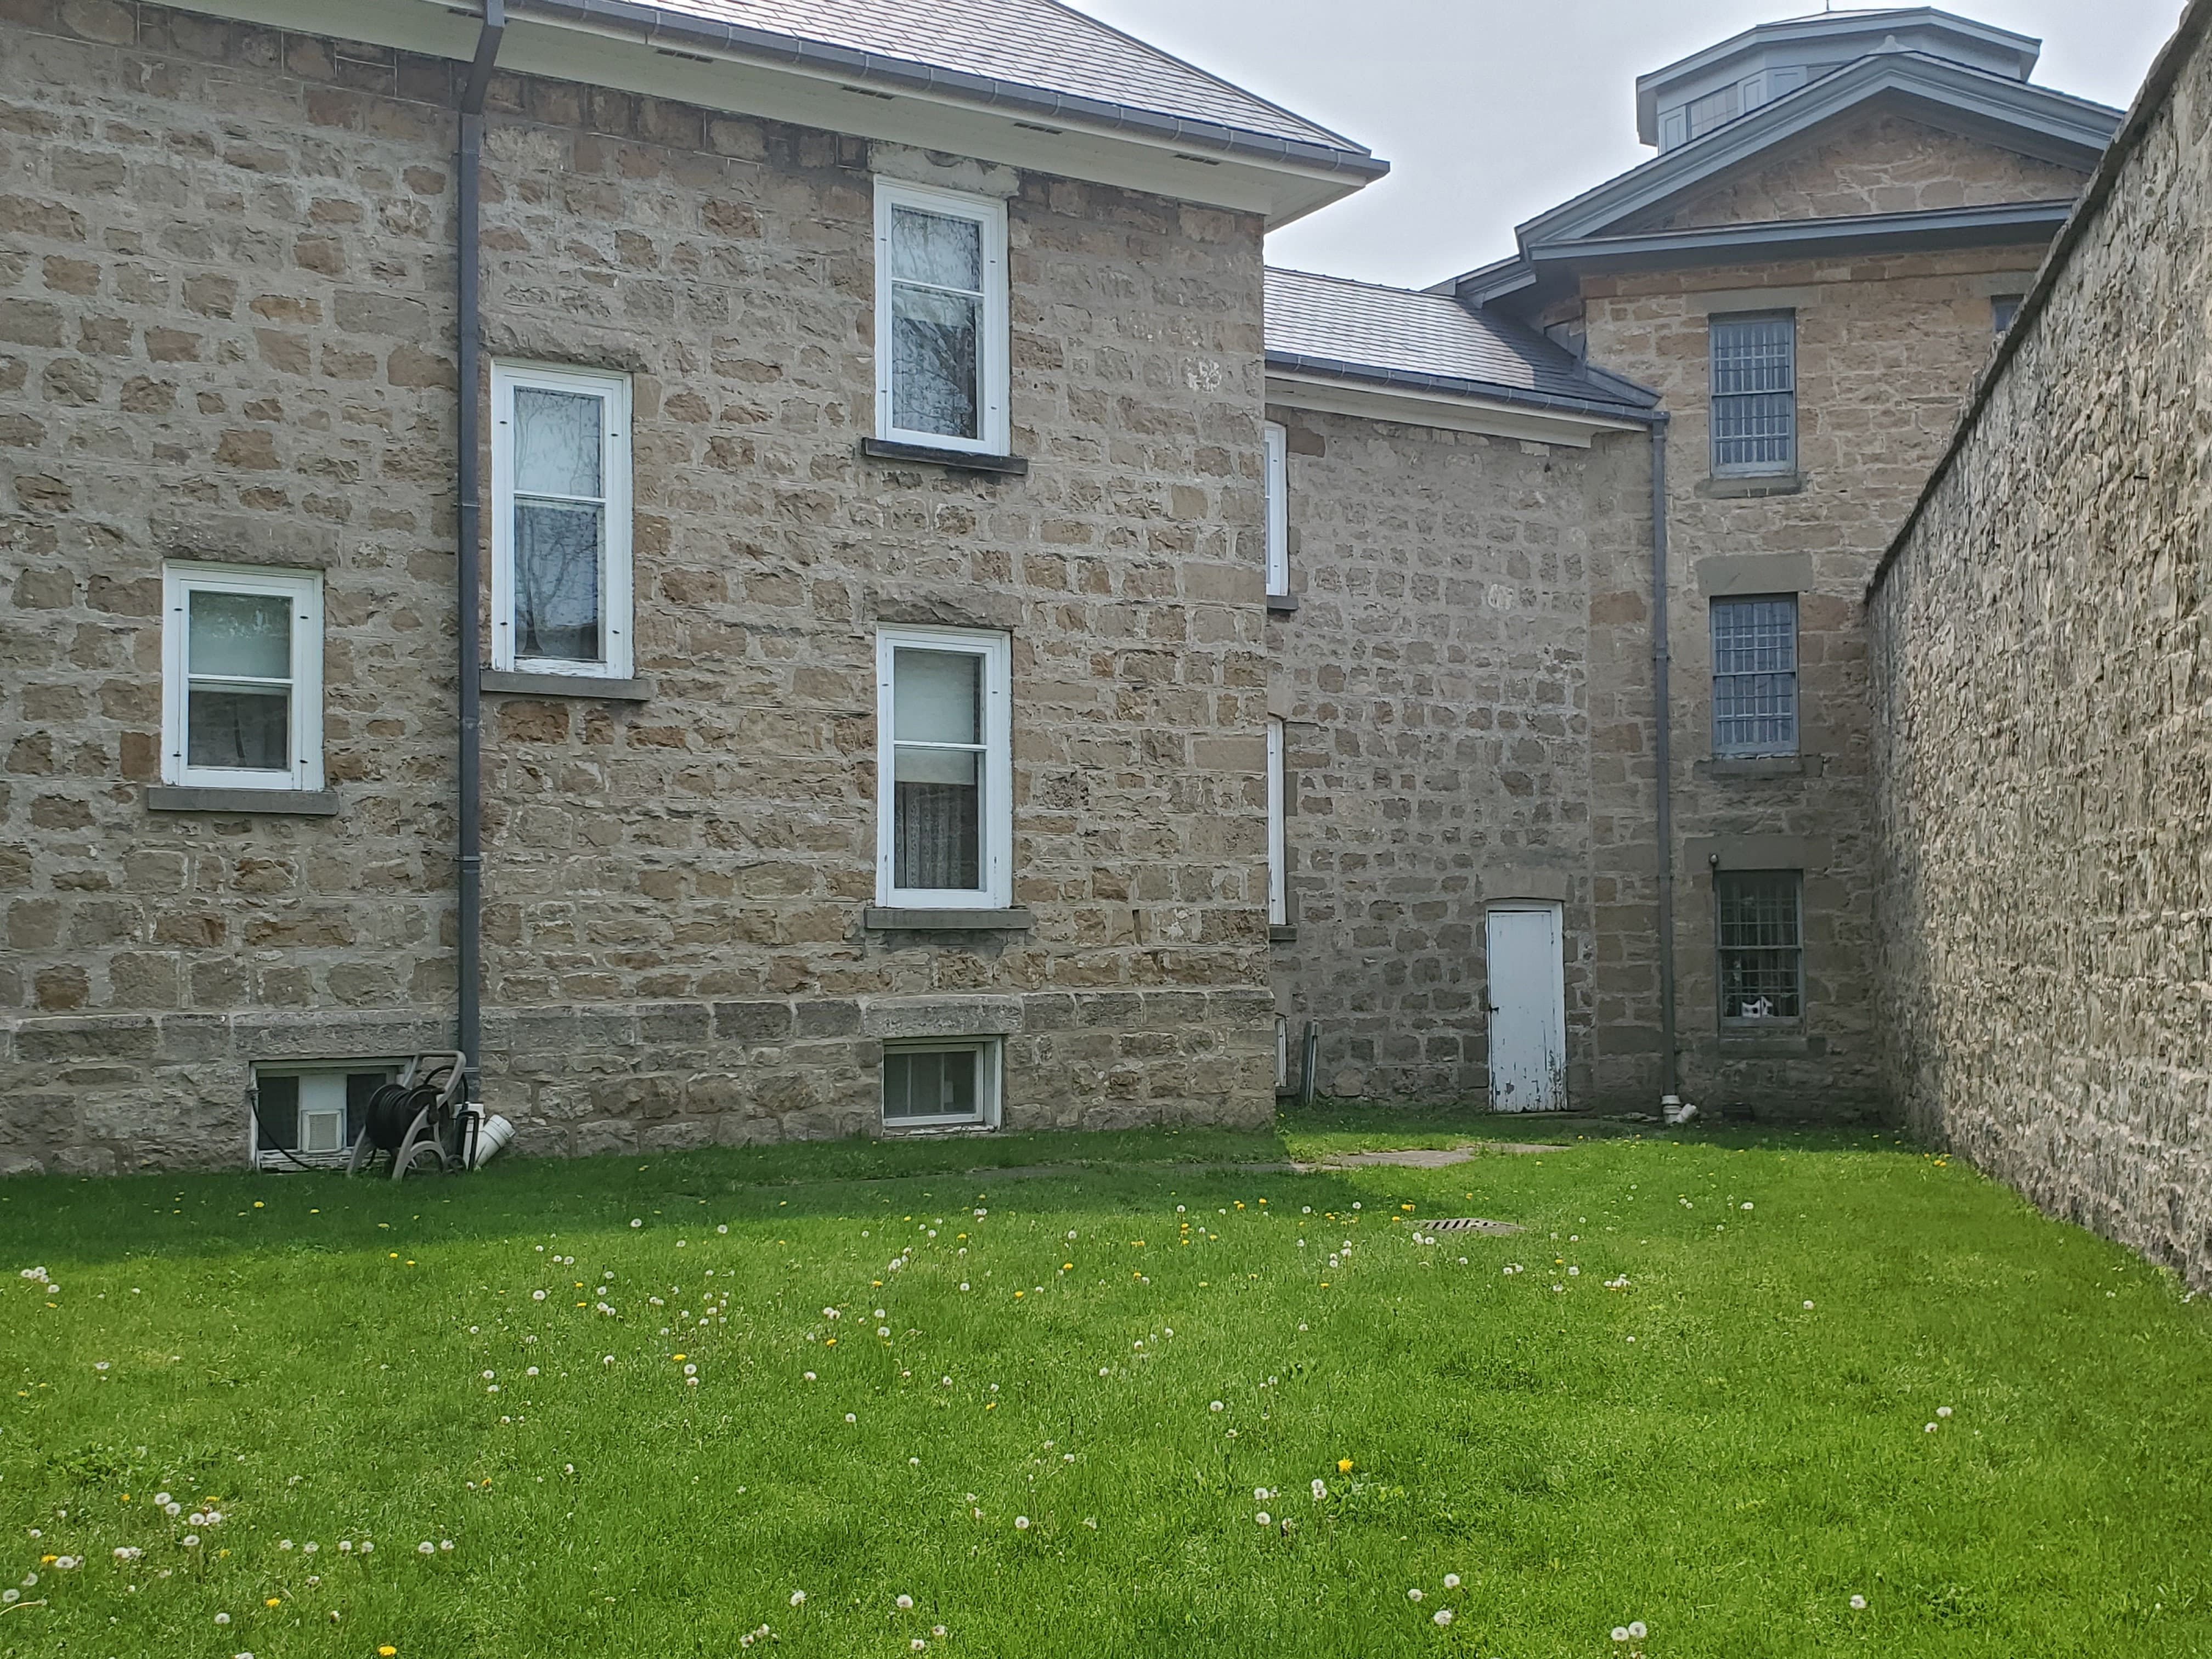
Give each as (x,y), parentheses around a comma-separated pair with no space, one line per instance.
(942,1083)
(941,320)
(560,520)
(1278,441)
(1755,675)
(1278,898)
(1754,393)
(241,677)
(310,1114)
(944,816)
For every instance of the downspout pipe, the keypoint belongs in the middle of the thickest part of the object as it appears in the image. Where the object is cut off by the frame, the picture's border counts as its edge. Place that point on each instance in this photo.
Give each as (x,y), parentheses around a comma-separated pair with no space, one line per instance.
(1663,759)
(468,516)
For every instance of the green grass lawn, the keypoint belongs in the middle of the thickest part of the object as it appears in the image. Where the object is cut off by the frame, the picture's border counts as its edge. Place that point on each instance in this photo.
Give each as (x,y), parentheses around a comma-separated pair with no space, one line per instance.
(1696,1393)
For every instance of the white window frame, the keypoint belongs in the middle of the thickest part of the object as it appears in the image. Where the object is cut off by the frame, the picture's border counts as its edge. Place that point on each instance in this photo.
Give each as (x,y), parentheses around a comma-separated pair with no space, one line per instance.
(994,349)
(614,390)
(990,1063)
(304,588)
(1279,897)
(997,816)
(1277,438)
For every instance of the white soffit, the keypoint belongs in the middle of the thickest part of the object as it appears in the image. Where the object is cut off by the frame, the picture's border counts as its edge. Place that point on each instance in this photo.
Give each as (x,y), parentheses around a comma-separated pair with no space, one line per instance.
(1410,406)
(569,51)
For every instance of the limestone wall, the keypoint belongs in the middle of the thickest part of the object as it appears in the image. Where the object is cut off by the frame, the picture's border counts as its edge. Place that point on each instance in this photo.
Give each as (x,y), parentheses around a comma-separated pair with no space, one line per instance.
(226,333)
(2044,732)
(1434,682)
(1888,349)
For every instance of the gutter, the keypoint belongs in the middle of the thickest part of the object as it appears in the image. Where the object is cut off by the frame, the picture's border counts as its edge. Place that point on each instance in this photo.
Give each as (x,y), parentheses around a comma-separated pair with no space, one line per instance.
(670,31)
(468,249)
(1945,226)
(1292,363)
(2149,103)
(1663,757)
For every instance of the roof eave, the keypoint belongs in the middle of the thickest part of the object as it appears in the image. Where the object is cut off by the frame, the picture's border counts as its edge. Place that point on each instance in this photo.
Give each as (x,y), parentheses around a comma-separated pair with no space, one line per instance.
(2064,127)
(663,30)
(2004,224)
(1637,412)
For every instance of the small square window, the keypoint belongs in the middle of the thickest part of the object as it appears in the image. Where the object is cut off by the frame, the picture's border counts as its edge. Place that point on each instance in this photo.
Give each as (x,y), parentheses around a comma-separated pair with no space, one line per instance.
(1762,955)
(242,678)
(560,521)
(945,770)
(308,1117)
(941,319)
(2003,308)
(1754,394)
(929,1085)
(1278,441)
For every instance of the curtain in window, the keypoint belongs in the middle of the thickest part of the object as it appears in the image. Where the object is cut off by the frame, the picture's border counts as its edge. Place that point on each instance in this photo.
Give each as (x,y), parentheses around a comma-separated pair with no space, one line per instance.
(560,525)
(238,668)
(937,323)
(937,766)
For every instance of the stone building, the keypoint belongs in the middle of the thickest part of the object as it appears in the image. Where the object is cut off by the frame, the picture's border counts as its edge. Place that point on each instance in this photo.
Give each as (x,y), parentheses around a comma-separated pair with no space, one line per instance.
(907,624)
(2043,733)
(1807,278)
(815,387)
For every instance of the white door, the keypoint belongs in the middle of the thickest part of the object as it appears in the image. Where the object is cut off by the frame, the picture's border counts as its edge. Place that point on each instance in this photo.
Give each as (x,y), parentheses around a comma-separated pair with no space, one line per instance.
(1527,1008)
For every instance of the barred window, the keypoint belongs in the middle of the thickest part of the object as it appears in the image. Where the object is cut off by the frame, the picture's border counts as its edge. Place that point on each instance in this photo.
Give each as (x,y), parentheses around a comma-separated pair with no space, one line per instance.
(1754,393)
(1755,675)
(1762,957)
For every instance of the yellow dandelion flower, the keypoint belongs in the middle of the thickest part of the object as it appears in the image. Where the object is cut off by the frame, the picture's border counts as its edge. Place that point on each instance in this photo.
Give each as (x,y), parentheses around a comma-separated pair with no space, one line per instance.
(1344,1466)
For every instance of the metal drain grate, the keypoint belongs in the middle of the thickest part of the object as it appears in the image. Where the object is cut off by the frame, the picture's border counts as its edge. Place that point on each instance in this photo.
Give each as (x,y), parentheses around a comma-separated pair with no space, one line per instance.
(1467,1223)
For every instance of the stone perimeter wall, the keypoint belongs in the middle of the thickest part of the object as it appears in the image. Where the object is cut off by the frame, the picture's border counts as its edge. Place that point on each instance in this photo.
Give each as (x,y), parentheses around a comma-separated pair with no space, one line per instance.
(2044,736)
(1434,688)
(226,333)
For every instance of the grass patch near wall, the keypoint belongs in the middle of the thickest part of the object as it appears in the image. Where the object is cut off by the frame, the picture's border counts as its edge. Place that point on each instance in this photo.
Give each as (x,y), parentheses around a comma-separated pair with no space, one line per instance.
(1721,1385)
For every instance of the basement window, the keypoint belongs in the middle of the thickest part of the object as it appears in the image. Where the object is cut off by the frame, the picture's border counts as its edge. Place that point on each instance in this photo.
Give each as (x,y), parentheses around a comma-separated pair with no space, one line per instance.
(308,1117)
(941,1085)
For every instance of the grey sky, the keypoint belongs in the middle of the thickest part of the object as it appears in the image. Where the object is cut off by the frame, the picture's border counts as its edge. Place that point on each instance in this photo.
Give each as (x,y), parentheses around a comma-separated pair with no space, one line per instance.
(1491,111)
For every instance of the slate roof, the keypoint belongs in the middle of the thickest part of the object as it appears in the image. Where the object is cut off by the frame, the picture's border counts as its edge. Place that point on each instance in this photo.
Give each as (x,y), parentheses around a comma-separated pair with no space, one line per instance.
(996,51)
(1363,331)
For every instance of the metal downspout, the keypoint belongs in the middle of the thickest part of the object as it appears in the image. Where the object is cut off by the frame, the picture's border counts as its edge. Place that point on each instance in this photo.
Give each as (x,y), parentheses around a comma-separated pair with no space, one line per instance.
(468,579)
(1663,758)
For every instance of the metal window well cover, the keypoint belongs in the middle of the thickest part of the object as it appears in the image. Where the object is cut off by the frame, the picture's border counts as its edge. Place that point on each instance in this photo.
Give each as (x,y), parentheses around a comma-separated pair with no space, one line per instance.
(1465,1223)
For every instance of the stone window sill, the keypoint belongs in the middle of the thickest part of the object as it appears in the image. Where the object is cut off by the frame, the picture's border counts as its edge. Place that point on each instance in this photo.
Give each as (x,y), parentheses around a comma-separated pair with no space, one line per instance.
(508,683)
(1744,1042)
(276,803)
(1282,604)
(884,918)
(1282,933)
(1751,486)
(1760,766)
(962,460)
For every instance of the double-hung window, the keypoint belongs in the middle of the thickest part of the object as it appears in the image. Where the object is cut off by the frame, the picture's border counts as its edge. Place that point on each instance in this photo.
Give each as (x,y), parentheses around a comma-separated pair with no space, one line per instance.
(1279,508)
(560,521)
(941,325)
(241,677)
(1279,897)
(1755,675)
(1762,953)
(1754,394)
(944,820)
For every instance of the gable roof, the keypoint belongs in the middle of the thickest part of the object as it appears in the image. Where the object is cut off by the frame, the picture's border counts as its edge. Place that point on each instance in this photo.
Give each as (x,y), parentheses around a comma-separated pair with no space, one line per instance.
(1997,109)
(1398,336)
(1036,56)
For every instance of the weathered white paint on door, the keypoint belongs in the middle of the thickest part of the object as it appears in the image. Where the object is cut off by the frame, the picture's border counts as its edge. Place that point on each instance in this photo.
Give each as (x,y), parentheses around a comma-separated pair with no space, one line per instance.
(1527,1008)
